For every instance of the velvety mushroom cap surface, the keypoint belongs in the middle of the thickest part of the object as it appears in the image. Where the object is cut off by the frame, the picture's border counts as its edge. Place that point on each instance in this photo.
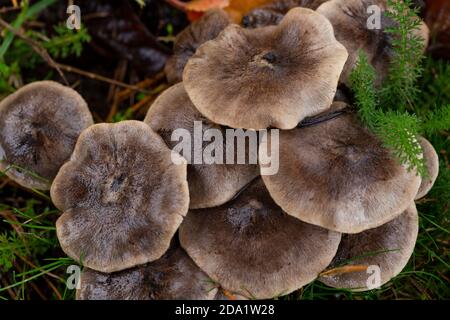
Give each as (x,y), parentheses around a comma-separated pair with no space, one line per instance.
(273,13)
(252,248)
(123,198)
(337,175)
(432,164)
(187,41)
(389,247)
(210,185)
(173,277)
(350,22)
(267,77)
(39,126)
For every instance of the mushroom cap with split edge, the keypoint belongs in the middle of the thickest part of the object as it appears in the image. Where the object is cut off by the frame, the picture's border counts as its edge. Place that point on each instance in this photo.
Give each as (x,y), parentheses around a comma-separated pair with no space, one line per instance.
(210,185)
(122,196)
(39,126)
(351,20)
(387,247)
(188,40)
(267,77)
(252,248)
(432,165)
(337,175)
(172,277)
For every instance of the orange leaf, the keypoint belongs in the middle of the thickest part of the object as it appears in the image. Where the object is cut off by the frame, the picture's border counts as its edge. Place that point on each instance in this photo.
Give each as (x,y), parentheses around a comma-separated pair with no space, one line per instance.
(246,6)
(228,294)
(345,269)
(205,5)
(238,8)
(194,15)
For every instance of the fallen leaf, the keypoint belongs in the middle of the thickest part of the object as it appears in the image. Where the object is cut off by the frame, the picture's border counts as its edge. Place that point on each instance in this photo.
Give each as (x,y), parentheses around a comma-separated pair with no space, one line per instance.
(345,269)
(238,8)
(205,5)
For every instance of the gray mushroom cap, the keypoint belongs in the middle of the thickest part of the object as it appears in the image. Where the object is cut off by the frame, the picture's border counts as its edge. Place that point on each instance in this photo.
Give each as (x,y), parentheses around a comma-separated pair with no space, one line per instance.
(123,198)
(39,126)
(172,277)
(273,12)
(187,41)
(337,175)
(252,248)
(432,165)
(387,247)
(210,185)
(267,77)
(350,22)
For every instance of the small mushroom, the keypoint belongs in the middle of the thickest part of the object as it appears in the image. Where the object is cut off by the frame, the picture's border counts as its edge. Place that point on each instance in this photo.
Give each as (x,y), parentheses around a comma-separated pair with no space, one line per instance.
(387,247)
(173,277)
(252,248)
(273,13)
(351,22)
(210,185)
(39,126)
(123,198)
(337,175)
(432,164)
(267,77)
(187,42)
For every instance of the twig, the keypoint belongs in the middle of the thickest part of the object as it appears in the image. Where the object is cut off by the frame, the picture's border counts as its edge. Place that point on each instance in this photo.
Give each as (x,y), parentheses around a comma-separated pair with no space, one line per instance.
(9,9)
(11,293)
(113,91)
(37,47)
(142,103)
(143,84)
(31,264)
(99,77)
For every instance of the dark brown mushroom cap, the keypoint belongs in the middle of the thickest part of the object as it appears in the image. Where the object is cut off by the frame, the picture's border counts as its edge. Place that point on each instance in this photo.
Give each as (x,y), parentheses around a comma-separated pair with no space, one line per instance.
(252,248)
(187,41)
(267,77)
(389,247)
(349,19)
(173,277)
(432,164)
(123,198)
(39,126)
(273,12)
(337,175)
(210,185)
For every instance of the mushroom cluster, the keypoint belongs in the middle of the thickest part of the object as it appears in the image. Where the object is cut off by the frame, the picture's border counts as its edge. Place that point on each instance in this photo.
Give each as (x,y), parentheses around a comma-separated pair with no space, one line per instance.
(148,224)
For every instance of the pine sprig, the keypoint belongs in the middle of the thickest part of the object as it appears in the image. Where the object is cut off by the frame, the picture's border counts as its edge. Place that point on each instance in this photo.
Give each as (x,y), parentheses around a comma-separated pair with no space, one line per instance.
(399,90)
(397,130)
(67,42)
(436,121)
(362,81)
